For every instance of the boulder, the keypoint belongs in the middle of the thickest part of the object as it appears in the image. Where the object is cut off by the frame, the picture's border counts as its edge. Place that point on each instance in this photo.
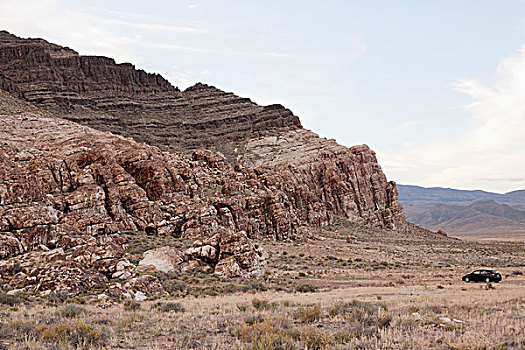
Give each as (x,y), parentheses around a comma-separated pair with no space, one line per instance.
(165,259)
(147,284)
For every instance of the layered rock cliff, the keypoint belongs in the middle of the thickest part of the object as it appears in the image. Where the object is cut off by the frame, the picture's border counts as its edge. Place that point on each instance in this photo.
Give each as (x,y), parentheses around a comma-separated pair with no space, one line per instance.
(97,92)
(316,178)
(67,191)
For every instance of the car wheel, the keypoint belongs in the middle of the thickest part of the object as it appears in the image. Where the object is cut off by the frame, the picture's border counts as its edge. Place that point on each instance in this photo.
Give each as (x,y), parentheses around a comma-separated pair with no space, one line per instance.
(487,280)
(467,279)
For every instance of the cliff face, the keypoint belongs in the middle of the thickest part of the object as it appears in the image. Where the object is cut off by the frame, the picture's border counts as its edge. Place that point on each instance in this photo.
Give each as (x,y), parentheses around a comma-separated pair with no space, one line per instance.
(316,179)
(341,181)
(66,191)
(57,178)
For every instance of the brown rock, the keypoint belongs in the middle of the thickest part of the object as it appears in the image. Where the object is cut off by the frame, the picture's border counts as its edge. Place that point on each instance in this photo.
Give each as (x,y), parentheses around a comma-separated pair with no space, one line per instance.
(351,239)
(165,259)
(239,257)
(441,232)
(318,178)
(70,187)
(119,98)
(147,284)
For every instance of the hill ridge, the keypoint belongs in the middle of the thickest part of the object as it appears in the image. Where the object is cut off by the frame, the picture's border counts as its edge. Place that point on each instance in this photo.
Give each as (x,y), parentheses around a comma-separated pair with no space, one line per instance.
(464,212)
(96,92)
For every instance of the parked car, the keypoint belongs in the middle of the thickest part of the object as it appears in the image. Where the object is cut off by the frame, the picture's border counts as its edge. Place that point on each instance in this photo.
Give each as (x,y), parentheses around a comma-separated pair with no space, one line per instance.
(484,275)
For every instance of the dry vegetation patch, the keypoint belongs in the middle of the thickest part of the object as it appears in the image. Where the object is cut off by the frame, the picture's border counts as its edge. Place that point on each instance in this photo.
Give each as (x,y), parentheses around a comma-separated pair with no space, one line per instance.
(374,291)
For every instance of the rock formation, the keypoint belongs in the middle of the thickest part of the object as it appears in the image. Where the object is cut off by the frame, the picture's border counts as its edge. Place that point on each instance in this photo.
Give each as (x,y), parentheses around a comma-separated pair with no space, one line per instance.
(66,190)
(116,97)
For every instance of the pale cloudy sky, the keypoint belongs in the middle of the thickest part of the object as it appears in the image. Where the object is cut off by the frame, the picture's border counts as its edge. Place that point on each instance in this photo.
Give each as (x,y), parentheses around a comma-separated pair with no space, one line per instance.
(437,88)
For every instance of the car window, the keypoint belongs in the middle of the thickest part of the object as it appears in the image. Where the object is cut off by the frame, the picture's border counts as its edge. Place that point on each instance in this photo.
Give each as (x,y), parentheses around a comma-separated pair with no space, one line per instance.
(476,272)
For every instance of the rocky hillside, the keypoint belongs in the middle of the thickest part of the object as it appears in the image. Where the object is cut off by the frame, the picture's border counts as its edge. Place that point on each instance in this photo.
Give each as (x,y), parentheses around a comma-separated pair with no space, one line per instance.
(70,192)
(67,191)
(465,213)
(479,217)
(416,196)
(97,92)
(324,178)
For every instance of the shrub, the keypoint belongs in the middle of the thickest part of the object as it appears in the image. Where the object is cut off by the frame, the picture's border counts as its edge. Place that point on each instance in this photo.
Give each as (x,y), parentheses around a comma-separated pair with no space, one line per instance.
(131,305)
(265,336)
(75,300)
(406,323)
(384,320)
(343,336)
(168,307)
(338,309)
(71,310)
(173,286)
(229,288)
(306,288)
(242,307)
(125,321)
(287,303)
(11,300)
(250,320)
(257,286)
(363,317)
(308,314)
(263,304)
(412,309)
(315,339)
(58,297)
(356,308)
(76,333)
(19,329)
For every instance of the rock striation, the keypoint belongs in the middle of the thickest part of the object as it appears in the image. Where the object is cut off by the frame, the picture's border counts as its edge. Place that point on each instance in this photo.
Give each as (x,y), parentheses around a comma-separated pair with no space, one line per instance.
(97,92)
(67,190)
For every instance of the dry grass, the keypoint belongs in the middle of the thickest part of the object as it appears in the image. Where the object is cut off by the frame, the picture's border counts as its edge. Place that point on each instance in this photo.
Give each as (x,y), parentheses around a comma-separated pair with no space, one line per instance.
(406,317)
(379,291)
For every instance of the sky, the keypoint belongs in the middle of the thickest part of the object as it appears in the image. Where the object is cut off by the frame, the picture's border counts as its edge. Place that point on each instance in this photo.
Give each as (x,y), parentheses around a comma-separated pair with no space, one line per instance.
(436,88)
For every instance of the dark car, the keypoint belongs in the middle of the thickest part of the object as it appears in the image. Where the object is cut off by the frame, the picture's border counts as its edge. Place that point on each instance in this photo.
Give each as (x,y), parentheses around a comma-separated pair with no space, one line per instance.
(484,275)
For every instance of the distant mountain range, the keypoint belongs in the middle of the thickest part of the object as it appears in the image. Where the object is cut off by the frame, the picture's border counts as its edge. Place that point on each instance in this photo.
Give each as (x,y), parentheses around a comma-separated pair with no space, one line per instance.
(465,213)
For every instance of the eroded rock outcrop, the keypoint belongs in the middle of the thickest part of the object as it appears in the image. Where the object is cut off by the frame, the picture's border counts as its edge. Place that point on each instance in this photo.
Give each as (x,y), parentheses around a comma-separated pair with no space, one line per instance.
(66,189)
(330,179)
(63,185)
(165,259)
(346,182)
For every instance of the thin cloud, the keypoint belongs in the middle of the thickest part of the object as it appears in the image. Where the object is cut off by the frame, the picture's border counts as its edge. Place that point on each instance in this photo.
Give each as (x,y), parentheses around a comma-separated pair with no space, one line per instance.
(277,55)
(406,125)
(502,179)
(59,25)
(490,153)
(120,13)
(175,47)
(157,27)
